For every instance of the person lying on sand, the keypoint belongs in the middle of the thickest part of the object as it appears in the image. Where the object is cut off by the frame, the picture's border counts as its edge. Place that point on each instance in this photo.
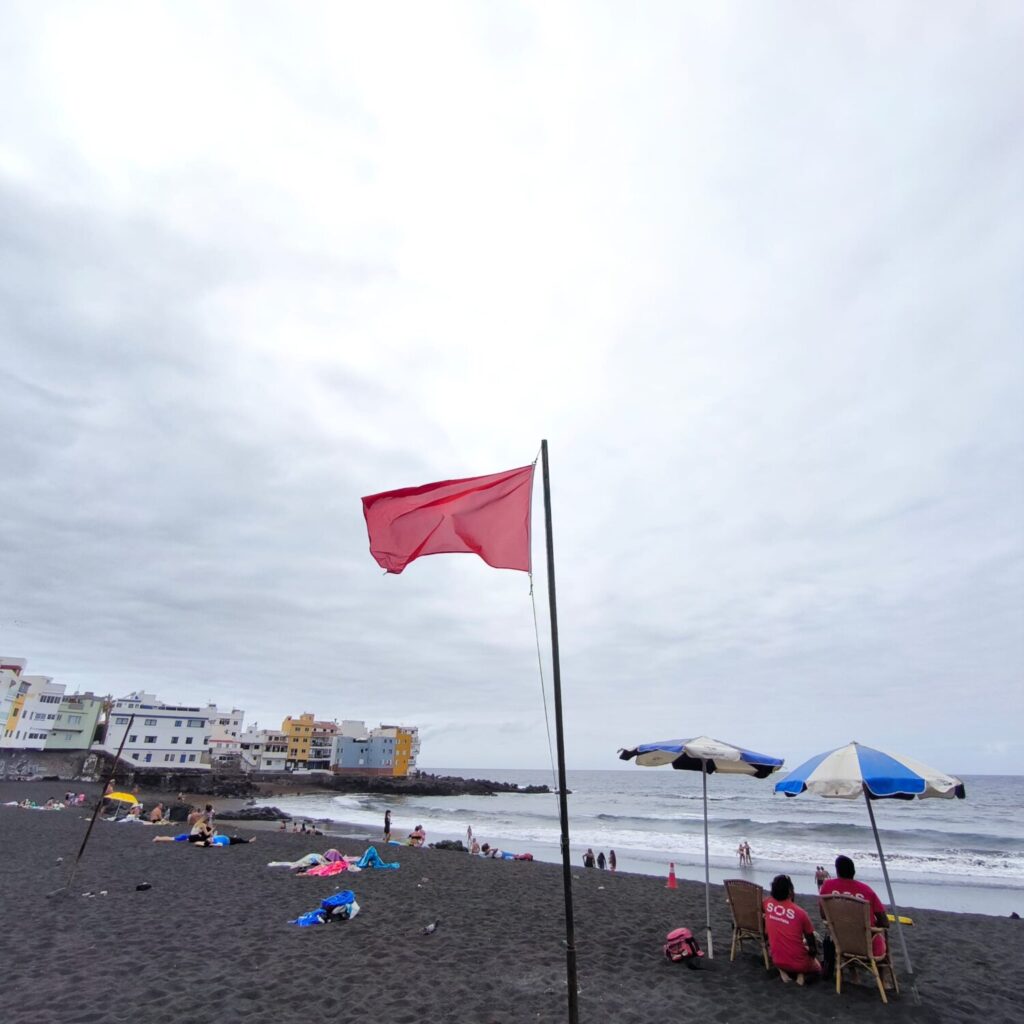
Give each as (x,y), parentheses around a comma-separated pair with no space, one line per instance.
(201,831)
(219,840)
(309,861)
(205,836)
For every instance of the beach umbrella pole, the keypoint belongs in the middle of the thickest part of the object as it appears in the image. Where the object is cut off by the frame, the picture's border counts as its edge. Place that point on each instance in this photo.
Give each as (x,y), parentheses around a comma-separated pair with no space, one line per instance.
(892,900)
(707,863)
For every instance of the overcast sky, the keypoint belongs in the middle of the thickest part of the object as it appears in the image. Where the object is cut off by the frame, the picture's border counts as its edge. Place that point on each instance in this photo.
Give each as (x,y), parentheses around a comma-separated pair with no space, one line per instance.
(754,270)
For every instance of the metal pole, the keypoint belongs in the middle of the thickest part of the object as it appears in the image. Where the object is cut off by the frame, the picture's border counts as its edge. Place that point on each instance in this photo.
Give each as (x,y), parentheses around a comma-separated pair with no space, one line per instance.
(563,804)
(99,804)
(707,868)
(892,900)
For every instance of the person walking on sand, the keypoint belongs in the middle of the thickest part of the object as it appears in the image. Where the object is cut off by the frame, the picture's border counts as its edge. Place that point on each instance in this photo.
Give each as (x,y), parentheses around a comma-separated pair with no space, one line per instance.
(611,860)
(387,825)
(601,861)
(588,858)
(821,876)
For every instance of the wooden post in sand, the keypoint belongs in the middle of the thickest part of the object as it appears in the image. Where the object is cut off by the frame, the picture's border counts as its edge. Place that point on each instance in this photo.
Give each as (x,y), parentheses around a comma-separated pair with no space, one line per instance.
(563,804)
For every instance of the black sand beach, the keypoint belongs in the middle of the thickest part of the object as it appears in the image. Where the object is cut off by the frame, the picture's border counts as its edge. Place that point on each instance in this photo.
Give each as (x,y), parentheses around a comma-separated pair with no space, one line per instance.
(210,940)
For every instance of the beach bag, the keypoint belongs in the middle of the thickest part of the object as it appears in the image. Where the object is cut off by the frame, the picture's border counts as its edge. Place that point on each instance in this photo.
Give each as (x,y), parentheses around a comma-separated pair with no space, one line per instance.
(341,906)
(681,947)
(828,957)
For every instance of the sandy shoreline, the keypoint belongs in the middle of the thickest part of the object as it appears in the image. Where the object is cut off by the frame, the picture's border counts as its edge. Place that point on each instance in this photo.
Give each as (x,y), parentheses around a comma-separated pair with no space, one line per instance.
(210,940)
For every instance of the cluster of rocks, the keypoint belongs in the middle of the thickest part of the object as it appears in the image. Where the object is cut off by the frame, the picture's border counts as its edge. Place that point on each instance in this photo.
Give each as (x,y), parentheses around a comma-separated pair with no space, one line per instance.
(253,814)
(425,785)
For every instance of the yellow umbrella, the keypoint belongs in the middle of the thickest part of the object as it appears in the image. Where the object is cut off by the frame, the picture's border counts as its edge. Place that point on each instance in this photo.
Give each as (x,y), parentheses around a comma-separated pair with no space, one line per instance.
(124,798)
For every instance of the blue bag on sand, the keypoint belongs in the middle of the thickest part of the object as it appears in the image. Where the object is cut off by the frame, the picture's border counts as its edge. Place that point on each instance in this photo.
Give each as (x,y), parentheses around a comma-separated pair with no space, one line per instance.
(341,906)
(372,859)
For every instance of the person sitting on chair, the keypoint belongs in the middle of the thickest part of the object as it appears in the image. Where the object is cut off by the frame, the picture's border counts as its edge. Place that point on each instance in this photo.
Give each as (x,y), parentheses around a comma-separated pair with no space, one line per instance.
(846,885)
(790,933)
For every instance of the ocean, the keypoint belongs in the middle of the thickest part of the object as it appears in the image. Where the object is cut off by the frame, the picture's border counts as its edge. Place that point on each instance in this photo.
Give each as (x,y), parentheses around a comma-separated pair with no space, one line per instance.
(960,855)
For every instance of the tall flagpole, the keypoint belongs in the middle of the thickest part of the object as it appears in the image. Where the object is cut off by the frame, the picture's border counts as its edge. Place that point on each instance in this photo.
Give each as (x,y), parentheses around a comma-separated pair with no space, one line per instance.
(563,803)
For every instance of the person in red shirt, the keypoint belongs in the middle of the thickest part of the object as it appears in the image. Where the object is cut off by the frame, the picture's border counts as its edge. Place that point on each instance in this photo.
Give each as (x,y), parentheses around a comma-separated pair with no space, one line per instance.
(847,885)
(791,937)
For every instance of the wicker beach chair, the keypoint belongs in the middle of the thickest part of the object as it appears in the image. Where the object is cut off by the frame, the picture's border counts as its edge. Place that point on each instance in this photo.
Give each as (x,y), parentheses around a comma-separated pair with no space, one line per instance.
(849,921)
(746,903)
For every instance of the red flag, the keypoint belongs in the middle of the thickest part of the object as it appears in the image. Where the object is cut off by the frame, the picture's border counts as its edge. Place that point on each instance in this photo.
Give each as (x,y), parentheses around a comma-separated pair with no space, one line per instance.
(487,516)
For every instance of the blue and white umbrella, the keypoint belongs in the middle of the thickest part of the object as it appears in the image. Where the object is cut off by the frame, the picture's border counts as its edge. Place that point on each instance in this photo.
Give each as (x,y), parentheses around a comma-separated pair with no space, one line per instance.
(707,756)
(856,770)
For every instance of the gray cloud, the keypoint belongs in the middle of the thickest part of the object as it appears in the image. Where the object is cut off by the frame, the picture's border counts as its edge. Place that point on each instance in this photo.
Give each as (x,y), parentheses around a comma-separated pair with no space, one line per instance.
(759,286)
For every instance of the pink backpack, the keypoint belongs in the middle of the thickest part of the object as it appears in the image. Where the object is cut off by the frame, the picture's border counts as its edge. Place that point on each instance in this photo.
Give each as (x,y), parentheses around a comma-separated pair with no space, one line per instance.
(680,945)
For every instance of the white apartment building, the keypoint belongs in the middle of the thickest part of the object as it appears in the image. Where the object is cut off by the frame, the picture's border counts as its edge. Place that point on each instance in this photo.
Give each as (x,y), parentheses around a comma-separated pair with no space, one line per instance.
(225,730)
(31,712)
(163,735)
(263,750)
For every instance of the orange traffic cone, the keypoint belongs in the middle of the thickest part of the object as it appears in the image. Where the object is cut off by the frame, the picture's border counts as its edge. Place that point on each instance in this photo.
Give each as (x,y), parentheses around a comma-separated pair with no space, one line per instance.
(671,883)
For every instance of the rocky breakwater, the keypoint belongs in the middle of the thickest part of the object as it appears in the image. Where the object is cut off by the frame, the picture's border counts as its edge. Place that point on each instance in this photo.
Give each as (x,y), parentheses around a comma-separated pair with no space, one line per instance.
(252,814)
(424,785)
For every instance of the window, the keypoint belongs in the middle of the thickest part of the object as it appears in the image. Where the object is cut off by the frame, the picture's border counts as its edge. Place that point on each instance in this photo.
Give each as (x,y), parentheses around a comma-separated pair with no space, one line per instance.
(174,739)
(120,721)
(148,757)
(133,739)
(206,741)
(135,757)
(151,739)
(150,721)
(196,723)
(74,719)
(177,723)
(188,739)
(191,757)
(182,760)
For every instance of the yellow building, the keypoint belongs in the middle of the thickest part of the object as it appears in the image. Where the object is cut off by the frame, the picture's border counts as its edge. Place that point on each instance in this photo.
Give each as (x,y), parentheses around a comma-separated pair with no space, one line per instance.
(407,746)
(299,732)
